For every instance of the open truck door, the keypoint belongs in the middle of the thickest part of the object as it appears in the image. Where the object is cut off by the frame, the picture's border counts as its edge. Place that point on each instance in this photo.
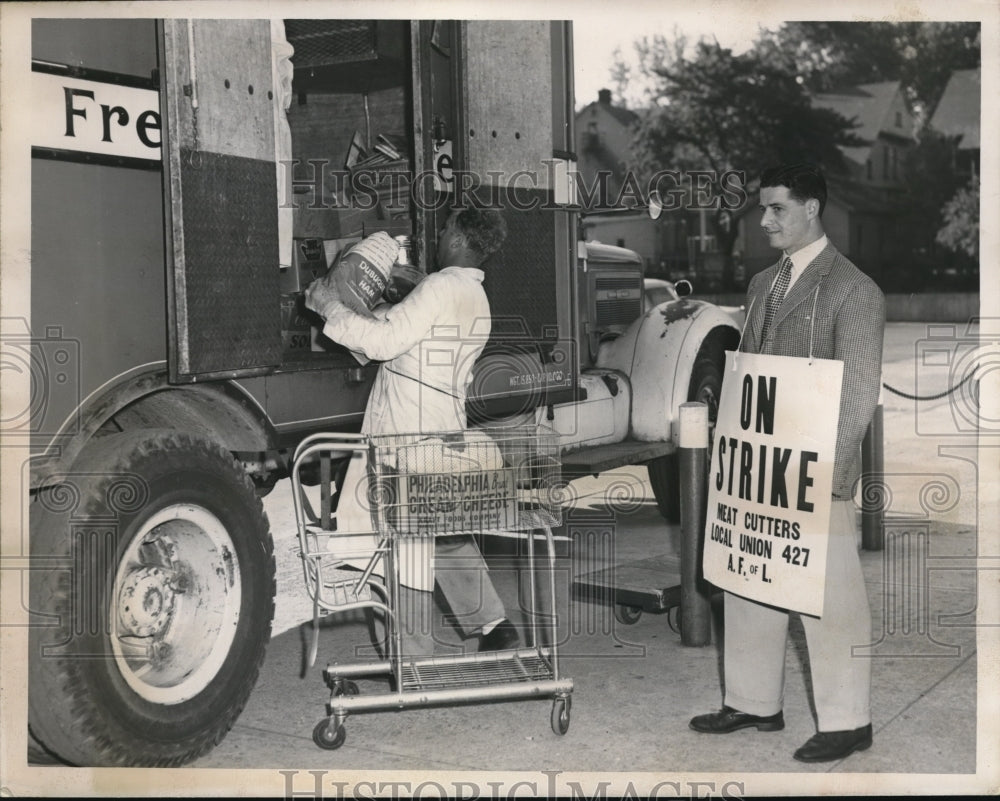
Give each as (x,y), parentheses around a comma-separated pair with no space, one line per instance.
(220,198)
(515,126)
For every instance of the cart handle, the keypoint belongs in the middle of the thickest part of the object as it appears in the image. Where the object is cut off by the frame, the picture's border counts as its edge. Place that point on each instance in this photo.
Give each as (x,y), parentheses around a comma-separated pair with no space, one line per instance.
(332,436)
(310,445)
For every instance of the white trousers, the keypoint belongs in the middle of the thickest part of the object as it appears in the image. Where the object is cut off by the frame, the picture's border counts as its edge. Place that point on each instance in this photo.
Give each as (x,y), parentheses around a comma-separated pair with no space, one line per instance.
(756,634)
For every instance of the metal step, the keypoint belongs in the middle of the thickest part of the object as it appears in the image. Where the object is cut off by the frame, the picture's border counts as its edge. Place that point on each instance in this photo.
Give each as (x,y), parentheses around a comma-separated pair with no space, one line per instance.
(601,458)
(652,585)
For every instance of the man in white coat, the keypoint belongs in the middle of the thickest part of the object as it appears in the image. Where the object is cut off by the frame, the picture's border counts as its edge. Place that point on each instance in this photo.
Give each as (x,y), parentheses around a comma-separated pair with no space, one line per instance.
(428,344)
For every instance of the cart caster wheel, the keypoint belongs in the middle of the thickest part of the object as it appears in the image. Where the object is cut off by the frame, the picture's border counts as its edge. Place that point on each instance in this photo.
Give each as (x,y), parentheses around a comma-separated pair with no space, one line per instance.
(560,715)
(627,615)
(674,619)
(346,688)
(328,735)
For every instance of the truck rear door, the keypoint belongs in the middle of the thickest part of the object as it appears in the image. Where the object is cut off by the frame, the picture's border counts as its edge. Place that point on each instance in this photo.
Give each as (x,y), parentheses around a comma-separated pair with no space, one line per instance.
(220,198)
(515,124)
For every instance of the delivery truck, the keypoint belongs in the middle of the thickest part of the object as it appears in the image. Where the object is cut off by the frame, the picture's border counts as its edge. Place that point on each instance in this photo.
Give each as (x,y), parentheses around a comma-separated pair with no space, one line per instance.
(174,367)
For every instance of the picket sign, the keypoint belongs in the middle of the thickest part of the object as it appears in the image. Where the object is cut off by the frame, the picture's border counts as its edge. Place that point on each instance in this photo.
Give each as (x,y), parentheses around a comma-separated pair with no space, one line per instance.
(770,479)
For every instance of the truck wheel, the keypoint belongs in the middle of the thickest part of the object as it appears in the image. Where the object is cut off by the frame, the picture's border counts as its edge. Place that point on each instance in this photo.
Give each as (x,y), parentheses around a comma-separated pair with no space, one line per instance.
(153,582)
(664,476)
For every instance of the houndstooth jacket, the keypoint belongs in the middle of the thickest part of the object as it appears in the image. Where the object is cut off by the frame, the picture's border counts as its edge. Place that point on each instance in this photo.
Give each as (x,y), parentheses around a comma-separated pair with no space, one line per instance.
(849,311)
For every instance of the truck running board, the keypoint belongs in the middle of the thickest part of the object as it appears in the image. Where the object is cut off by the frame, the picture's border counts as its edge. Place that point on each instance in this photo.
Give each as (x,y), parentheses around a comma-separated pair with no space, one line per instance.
(600,458)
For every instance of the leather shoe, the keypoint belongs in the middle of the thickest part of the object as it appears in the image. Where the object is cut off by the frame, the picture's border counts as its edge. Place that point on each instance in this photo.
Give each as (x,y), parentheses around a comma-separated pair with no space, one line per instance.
(828,746)
(502,637)
(728,719)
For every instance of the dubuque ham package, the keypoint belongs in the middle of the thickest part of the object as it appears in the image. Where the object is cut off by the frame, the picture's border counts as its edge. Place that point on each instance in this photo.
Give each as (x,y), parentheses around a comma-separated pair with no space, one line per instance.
(360,276)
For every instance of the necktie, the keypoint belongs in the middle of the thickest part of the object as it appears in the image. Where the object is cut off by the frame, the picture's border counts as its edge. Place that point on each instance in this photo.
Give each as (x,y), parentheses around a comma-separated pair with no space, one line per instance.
(777,294)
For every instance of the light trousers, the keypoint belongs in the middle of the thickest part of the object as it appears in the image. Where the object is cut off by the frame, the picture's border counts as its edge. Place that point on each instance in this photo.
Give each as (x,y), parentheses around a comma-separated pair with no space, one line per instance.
(461,575)
(452,563)
(756,635)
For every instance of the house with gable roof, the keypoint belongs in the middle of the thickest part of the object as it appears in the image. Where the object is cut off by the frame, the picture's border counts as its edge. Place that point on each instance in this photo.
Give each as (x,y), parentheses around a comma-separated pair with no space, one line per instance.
(883,123)
(603,138)
(957,117)
(671,246)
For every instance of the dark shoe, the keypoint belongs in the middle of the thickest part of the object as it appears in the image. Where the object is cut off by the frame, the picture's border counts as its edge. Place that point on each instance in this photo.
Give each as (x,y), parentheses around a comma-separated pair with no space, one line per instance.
(828,746)
(503,637)
(728,719)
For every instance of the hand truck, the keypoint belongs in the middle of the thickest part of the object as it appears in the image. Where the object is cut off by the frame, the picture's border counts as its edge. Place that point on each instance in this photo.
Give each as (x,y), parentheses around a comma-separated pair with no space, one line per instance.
(480,481)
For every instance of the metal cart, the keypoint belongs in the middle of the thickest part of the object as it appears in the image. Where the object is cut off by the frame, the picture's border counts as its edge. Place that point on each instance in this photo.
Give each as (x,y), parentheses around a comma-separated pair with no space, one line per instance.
(482,481)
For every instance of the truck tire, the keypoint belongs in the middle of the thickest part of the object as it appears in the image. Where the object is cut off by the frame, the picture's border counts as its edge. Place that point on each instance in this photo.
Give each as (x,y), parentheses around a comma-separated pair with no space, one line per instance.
(664,475)
(153,574)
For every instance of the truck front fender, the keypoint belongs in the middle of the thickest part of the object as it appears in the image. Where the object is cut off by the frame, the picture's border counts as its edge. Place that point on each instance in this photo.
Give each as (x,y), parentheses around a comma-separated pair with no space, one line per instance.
(658,352)
(221,411)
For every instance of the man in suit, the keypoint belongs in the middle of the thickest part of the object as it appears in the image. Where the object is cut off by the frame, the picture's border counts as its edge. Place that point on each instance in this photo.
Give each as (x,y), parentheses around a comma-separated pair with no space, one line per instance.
(812,303)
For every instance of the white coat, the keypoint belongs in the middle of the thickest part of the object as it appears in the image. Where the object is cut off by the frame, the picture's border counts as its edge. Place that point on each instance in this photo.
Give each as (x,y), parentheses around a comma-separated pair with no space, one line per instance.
(428,344)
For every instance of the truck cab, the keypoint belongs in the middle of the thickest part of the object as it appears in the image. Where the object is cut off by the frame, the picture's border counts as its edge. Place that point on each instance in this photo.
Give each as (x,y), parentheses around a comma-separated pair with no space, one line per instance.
(190,178)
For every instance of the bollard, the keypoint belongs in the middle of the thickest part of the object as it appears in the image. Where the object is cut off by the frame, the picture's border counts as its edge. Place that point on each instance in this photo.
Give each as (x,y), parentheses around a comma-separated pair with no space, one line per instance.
(872,489)
(696,616)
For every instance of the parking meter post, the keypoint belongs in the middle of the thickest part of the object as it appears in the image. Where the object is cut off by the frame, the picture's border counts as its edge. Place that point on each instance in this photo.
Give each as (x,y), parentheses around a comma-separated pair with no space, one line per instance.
(872,489)
(696,619)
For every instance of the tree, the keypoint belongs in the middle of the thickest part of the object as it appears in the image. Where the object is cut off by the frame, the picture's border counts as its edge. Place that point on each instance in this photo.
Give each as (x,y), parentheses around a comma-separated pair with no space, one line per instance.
(911,257)
(720,112)
(960,232)
(921,55)
(929,178)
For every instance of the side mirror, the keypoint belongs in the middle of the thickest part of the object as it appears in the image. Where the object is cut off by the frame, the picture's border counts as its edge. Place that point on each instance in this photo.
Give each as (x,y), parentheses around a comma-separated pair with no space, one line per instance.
(683,288)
